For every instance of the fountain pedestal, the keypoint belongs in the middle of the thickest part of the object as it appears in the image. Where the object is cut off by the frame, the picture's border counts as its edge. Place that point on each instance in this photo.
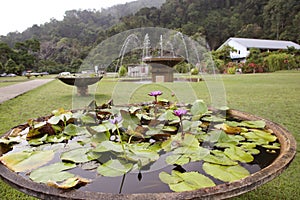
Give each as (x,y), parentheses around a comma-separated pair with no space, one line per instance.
(162,67)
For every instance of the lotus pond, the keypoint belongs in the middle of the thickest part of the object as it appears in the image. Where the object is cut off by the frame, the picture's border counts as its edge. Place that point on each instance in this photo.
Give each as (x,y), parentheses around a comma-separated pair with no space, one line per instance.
(156,146)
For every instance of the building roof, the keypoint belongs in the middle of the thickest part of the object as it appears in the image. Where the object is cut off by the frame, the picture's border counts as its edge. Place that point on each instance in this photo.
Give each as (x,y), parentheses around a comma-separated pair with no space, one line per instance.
(263,44)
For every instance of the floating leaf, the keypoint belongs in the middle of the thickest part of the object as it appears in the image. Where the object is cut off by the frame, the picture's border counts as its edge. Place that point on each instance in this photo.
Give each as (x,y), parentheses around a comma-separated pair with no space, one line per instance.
(38,141)
(219,159)
(54,120)
(199,108)
(57,138)
(273,146)
(253,124)
(237,153)
(73,130)
(231,129)
(145,156)
(226,173)
(169,128)
(133,109)
(259,136)
(168,116)
(178,159)
(76,155)
(108,146)
(169,179)
(88,119)
(69,183)
(113,168)
(213,118)
(188,181)
(26,161)
(129,120)
(105,127)
(54,172)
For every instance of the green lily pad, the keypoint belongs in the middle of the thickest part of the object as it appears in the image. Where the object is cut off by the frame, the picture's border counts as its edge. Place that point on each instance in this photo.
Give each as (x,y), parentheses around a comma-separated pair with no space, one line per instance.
(73,130)
(238,154)
(102,128)
(129,120)
(76,155)
(220,159)
(108,146)
(57,138)
(226,173)
(54,172)
(25,161)
(259,136)
(213,118)
(168,116)
(253,124)
(188,181)
(38,141)
(273,146)
(169,128)
(199,108)
(113,168)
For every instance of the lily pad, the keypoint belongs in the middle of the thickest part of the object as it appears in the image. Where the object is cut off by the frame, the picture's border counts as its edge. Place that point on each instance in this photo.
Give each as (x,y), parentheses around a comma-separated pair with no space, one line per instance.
(54,172)
(238,154)
(25,161)
(69,183)
(113,168)
(219,159)
(199,108)
(188,181)
(253,124)
(77,155)
(259,136)
(109,146)
(73,130)
(226,173)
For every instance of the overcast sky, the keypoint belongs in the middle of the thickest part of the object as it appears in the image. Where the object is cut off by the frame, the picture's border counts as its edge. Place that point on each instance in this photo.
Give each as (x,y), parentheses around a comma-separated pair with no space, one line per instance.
(17,15)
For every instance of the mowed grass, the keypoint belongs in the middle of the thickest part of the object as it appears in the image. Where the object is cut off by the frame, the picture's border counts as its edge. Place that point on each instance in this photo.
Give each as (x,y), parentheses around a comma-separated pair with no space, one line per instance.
(274,96)
(6,81)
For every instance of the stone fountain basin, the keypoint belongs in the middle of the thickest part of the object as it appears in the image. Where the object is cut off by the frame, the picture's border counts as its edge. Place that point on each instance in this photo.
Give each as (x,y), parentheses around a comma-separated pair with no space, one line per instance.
(168,61)
(80,81)
(222,191)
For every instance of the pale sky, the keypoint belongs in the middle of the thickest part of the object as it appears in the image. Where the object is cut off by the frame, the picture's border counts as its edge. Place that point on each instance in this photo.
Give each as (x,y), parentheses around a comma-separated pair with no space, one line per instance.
(18,15)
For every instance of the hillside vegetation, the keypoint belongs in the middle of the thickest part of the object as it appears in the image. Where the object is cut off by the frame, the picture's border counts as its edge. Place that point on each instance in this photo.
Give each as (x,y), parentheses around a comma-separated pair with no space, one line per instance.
(62,45)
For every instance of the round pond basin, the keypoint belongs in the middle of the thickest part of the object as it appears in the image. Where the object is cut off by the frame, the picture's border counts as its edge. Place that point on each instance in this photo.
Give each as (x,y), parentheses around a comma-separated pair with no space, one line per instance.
(221,191)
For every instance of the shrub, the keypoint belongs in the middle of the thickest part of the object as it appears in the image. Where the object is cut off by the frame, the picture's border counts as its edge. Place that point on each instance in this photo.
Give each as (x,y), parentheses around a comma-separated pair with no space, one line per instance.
(122,71)
(280,61)
(194,71)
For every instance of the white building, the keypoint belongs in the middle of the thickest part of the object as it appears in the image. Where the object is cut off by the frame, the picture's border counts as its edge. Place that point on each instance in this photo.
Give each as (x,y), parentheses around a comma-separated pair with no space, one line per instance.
(243,46)
(136,70)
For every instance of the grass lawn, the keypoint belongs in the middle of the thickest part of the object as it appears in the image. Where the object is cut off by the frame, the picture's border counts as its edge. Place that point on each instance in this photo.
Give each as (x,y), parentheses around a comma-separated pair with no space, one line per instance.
(6,81)
(275,96)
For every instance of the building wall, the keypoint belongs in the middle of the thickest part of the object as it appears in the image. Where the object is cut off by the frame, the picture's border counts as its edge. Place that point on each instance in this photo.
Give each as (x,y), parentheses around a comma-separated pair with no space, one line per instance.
(242,51)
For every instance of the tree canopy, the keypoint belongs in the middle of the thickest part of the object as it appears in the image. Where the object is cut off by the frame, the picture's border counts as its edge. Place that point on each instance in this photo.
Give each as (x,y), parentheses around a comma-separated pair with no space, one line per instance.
(62,45)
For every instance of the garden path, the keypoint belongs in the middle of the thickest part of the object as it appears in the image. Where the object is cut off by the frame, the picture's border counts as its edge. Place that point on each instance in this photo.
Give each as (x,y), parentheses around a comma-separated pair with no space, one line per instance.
(12,91)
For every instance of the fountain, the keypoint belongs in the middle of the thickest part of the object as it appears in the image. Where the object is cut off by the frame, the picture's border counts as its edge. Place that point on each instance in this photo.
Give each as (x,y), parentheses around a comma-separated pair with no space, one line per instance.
(162,66)
(80,82)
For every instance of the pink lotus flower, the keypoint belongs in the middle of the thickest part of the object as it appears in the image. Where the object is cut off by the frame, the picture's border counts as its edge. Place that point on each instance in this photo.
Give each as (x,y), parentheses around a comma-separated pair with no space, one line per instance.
(179,112)
(116,120)
(155,93)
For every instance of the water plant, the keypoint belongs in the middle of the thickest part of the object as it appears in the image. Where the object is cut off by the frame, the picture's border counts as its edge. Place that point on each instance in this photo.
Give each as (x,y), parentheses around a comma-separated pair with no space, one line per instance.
(114,140)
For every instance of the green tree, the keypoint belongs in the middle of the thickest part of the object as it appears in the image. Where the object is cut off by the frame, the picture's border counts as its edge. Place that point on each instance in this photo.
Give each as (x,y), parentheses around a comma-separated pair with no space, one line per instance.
(122,71)
(11,67)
